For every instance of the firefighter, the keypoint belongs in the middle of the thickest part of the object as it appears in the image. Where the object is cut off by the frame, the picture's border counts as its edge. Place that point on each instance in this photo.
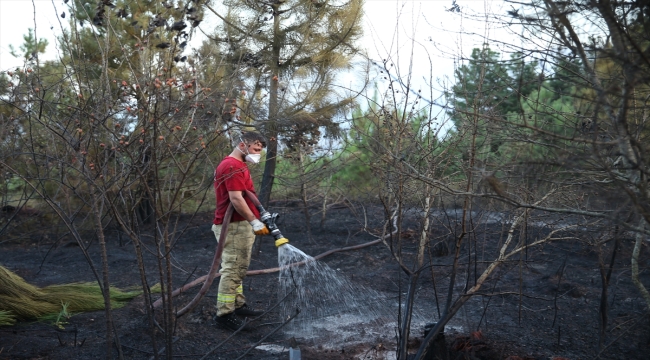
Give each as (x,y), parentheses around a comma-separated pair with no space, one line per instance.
(231,179)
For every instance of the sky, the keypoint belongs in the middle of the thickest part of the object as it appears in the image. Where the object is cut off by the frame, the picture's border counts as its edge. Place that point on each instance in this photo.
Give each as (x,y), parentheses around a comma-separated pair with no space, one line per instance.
(426,22)
(17,16)
(420,38)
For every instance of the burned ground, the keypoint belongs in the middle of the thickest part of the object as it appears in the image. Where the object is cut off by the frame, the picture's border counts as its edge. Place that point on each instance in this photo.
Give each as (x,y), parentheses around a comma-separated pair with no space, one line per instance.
(541,305)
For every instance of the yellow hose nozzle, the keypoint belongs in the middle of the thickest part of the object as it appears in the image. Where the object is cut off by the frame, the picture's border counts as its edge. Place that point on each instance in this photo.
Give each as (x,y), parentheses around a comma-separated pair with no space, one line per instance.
(281,241)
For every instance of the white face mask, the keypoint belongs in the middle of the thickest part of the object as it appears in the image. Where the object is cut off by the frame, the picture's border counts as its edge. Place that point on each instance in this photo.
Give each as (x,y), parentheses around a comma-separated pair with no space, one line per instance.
(251,158)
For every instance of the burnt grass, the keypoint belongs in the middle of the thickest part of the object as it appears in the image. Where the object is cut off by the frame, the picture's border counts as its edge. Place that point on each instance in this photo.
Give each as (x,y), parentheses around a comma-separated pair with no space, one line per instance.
(543,304)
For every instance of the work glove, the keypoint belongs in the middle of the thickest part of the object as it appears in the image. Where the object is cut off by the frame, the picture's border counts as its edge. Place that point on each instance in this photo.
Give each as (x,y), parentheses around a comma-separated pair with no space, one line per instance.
(259,228)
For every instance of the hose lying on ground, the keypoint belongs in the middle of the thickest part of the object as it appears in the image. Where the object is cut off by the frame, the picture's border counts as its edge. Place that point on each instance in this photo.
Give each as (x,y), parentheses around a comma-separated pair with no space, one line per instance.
(212,273)
(20,300)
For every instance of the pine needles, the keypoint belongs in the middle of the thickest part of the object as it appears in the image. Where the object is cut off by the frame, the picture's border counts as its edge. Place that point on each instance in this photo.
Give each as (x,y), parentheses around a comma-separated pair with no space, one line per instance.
(20,300)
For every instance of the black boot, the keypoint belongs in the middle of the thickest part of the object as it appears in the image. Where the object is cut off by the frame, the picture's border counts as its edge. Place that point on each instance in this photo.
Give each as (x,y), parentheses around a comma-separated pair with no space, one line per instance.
(246,310)
(230,321)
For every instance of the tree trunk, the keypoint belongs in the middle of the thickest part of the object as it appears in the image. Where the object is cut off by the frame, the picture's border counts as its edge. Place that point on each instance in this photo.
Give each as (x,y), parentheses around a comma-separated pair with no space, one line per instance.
(145,208)
(323,215)
(272,123)
(635,265)
(105,284)
(303,194)
(424,237)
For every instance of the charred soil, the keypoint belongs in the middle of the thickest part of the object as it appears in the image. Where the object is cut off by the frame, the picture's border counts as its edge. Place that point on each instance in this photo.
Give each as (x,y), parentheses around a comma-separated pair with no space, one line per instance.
(542,305)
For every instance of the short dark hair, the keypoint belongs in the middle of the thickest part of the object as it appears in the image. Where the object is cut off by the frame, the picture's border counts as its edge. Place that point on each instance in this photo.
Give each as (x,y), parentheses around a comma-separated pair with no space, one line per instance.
(250,137)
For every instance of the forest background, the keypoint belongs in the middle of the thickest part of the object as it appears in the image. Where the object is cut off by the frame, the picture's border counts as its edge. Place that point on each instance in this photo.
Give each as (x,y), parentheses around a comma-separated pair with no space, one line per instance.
(545,116)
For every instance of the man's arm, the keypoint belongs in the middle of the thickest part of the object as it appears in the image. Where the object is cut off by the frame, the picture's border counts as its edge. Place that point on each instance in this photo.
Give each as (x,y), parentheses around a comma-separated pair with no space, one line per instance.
(238,202)
(240,205)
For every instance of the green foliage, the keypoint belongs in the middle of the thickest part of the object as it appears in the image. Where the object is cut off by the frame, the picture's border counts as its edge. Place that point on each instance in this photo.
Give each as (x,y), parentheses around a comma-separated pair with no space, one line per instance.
(348,170)
(361,167)
(543,110)
(568,76)
(487,83)
(63,316)
(501,106)
(355,162)
(4,86)
(14,184)
(30,47)
(486,89)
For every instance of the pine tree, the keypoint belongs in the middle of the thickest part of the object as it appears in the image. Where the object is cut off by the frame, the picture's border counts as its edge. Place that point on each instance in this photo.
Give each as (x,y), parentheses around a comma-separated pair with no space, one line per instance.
(30,47)
(494,84)
(290,52)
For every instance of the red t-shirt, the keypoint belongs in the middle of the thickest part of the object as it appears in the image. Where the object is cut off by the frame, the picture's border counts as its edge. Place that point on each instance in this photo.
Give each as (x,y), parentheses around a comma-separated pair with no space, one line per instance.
(232,175)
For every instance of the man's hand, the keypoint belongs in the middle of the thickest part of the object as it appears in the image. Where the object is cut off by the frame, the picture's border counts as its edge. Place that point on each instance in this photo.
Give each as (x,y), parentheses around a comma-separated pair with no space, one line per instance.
(259,228)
